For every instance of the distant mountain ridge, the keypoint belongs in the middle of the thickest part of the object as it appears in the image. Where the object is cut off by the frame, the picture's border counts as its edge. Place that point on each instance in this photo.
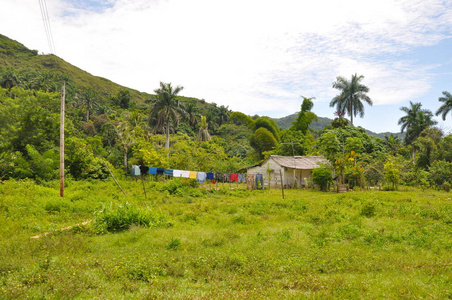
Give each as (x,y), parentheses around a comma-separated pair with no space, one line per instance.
(286,122)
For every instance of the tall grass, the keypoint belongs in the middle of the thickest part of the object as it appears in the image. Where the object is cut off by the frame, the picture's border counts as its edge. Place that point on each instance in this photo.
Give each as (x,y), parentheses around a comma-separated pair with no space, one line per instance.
(223,244)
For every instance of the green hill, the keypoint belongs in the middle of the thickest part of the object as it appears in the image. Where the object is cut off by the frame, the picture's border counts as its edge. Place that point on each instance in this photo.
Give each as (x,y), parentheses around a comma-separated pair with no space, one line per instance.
(14,54)
(286,122)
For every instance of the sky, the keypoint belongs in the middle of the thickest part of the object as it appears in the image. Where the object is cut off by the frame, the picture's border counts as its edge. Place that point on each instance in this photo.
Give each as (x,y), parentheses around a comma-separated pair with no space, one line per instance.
(255,56)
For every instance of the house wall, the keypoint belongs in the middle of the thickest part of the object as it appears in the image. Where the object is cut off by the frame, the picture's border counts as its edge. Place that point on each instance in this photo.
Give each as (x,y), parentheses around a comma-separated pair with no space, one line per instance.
(275,178)
(301,176)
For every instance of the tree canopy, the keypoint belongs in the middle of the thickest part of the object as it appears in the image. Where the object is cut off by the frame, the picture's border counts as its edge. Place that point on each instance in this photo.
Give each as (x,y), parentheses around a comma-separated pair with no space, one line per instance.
(352,93)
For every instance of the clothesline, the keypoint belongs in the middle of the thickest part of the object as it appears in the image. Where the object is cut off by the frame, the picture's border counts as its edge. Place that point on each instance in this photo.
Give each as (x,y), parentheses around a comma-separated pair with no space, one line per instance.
(201,177)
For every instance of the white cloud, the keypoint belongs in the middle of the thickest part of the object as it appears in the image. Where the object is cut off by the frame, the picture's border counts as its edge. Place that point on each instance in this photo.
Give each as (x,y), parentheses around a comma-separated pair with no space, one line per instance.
(255,56)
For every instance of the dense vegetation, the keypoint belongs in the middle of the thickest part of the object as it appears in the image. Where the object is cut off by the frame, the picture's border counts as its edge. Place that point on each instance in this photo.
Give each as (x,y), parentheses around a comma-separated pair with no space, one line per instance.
(111,130)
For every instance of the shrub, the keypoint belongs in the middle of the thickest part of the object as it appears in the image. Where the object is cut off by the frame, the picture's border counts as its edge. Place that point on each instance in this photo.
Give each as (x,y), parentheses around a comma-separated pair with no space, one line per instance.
(173,244)
(368,210)
(440,174)
(121,218)
(392,174)
(322,177)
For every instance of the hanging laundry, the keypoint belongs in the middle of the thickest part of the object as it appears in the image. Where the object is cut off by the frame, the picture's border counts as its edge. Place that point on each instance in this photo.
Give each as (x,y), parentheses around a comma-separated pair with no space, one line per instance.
(185,174)
(259,178)
(160,171)
(241,177)
(168,172)
(181,173)
(152,171)
(144,170)
(201,177)
(234,177)
(192,174)
(218,177)
(135,171)
(227,177)
(210,175)
(250,182)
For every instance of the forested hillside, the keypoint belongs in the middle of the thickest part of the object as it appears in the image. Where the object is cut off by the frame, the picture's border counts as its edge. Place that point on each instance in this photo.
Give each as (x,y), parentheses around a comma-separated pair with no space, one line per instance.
(109,126)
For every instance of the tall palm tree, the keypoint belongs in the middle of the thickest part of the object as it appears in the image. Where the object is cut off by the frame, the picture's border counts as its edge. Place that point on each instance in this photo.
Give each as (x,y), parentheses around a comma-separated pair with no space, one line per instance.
(167,108)
(447,105)
(88,98)
(352,93)
(415,121)
(203,134)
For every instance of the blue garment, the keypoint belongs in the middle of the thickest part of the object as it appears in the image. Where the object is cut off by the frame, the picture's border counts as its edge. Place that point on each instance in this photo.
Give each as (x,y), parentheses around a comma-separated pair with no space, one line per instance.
(168,172)
(242,177)
(201,177)
(152,171)
(260,178)
(160,171)
(210,175)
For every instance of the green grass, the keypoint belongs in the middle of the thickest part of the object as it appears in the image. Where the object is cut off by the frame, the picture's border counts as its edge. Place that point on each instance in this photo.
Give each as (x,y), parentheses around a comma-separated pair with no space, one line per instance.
(186,243)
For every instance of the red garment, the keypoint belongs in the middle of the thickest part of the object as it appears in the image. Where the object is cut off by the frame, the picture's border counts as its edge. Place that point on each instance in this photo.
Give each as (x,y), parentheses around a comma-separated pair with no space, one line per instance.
(234,177)
(214,181)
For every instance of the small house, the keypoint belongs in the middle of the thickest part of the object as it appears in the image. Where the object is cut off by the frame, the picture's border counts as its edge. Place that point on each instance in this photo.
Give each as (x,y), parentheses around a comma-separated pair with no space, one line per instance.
(291,171)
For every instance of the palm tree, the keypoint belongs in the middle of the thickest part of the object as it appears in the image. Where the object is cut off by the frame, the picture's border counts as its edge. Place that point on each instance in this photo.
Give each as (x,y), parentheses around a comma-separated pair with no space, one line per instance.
(393,143)
(223,113)
(125,138)
(352,93)
(167,108)
(203,134)
(415,121)
(192,112)
(89,99)
(447,105)
(9,78)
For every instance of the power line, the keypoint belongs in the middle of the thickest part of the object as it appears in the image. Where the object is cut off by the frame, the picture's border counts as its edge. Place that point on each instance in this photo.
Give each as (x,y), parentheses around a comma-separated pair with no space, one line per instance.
(47,27)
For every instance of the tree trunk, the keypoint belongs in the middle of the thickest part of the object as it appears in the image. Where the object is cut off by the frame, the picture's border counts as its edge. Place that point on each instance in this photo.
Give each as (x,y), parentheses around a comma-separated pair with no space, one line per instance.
(167,139)
(87,112)
(351,115)
(125,159)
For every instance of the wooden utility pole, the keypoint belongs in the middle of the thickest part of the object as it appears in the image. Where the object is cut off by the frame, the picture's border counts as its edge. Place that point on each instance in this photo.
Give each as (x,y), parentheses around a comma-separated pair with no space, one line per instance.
(63,99)
(282,186)
(295,161)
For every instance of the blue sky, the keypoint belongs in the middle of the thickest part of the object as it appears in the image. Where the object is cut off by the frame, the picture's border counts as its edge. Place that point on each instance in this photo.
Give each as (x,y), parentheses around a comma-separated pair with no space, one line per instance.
(256,56)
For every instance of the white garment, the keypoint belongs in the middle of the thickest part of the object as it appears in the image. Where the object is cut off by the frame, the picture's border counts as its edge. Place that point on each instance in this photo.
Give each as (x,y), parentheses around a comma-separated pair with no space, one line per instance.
(181,173)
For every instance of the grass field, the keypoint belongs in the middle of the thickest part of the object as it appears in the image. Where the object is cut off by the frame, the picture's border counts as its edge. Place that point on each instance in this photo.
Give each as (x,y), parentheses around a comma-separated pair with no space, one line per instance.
(183,242)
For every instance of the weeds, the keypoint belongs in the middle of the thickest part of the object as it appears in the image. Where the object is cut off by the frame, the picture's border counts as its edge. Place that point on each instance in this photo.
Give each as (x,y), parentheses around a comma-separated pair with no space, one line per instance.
(183,242)
(123,216)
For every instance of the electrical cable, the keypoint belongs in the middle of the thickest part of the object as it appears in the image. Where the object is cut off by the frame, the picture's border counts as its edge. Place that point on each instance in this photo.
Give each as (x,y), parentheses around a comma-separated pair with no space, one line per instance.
(47,27)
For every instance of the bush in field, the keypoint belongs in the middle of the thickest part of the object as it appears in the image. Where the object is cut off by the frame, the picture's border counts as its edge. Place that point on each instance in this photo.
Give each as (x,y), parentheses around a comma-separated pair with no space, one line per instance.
(322,177)
(121,218)
(392,174)
(441,174)
(181,186)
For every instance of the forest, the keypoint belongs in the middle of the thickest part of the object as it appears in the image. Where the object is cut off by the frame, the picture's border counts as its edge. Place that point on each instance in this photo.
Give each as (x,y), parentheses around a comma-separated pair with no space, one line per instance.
(113,127)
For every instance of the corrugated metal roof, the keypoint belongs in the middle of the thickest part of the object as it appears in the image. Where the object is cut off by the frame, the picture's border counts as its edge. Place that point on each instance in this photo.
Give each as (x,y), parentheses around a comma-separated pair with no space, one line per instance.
(298,162)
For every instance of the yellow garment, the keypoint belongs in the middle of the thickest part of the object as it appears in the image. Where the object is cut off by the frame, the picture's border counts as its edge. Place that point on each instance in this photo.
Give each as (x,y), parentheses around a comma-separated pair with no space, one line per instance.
(193,174)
